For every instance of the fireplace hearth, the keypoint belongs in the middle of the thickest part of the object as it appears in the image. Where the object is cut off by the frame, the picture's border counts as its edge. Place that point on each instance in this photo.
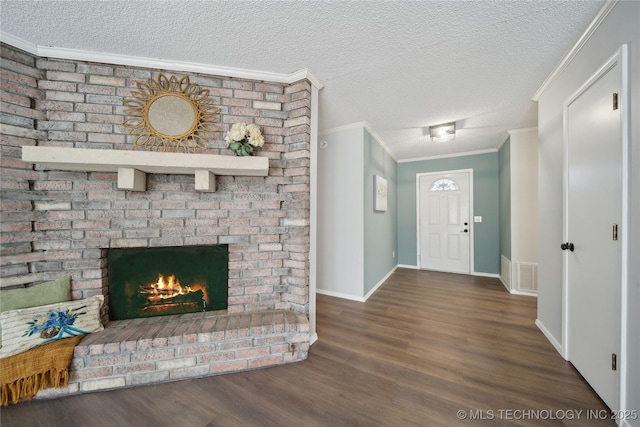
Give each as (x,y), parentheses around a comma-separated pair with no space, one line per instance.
(146,282)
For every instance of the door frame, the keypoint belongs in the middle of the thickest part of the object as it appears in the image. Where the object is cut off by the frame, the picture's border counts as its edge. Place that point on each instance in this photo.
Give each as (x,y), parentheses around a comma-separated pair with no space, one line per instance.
(471,223)
(620,56)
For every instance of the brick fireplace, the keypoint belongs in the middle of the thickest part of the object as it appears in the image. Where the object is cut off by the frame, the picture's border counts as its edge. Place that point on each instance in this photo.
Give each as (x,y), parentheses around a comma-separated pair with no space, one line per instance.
(57,222)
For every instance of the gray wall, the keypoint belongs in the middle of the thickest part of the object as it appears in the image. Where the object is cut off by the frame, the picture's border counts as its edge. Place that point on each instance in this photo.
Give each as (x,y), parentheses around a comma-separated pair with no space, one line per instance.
(340,255)
(485,203)
(357,247)
(619,27)
(380,228)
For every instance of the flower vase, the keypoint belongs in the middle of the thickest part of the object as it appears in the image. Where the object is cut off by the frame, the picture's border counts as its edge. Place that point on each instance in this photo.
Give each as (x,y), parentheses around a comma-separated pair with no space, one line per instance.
(242,139)
(241,148)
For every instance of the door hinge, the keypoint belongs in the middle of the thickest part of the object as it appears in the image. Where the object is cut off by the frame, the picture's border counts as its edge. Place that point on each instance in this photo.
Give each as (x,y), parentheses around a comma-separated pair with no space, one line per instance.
(615,232)
(614,362)
(615,101)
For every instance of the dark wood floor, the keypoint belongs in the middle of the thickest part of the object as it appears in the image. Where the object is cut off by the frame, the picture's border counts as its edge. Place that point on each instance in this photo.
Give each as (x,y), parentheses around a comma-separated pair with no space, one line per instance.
(425,346)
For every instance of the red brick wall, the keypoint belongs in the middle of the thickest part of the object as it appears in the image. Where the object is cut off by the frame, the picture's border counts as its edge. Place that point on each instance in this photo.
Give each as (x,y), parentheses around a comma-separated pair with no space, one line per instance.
(56,222)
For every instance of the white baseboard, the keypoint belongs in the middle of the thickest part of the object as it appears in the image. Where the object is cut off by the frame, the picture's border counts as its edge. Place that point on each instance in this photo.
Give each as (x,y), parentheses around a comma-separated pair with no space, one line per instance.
(313,338)
(375,288)
(475,273)
(340,295)
(413,267)
(506,285)
(550,337)
(505,272)
(525,293)
(355,297)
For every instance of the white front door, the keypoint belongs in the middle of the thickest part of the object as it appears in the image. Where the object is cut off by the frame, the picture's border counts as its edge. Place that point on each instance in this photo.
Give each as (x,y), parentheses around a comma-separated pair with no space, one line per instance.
(593,211)
(444,221)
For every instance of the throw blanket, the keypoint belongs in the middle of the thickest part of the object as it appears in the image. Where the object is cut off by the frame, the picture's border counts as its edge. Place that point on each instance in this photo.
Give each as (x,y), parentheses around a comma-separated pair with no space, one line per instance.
(24,374)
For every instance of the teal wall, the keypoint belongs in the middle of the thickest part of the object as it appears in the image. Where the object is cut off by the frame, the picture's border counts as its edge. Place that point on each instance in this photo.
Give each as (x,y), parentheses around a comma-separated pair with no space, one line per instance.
(504,161)
(380,228)
(485,203)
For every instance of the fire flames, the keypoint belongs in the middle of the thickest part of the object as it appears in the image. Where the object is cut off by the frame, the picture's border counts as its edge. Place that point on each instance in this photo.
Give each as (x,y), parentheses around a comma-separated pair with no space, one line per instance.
(169,290)
(169,287)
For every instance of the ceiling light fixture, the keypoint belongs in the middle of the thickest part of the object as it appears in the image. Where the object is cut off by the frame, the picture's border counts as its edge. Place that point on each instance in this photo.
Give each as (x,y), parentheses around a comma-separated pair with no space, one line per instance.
(443,132)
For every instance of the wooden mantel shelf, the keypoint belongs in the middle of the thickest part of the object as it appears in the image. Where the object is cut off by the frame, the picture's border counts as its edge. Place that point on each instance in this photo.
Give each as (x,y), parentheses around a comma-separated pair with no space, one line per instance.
(132,166)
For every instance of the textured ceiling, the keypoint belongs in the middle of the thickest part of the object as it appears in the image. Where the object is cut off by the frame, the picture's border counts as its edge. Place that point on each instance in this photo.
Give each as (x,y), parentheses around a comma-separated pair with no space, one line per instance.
(399,66)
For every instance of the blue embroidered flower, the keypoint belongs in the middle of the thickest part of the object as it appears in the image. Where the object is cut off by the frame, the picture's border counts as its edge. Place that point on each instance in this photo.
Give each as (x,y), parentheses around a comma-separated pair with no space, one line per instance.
(55,324)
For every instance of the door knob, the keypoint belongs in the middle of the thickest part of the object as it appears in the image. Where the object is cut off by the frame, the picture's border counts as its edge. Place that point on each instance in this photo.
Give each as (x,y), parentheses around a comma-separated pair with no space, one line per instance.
(566,246)
(465,230)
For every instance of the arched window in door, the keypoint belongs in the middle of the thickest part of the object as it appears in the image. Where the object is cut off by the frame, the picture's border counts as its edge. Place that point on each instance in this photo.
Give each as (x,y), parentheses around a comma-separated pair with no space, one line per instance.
(444,184)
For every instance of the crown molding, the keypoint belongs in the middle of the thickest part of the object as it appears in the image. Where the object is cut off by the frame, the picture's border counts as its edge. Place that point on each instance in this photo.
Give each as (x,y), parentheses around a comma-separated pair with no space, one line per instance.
(511,132)
(368,128)
(445,156)
(568,57)
(503,140)
(522,130)
(164,64)
(380,141)
(19,43)
(356,125)
(365,125)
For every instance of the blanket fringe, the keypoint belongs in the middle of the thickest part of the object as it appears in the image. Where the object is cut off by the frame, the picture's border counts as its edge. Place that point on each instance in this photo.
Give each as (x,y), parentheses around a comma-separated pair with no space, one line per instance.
(26,388)
(24,374)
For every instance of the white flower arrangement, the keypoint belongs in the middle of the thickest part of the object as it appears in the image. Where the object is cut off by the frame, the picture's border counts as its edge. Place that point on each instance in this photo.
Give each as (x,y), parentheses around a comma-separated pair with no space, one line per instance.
(242,138)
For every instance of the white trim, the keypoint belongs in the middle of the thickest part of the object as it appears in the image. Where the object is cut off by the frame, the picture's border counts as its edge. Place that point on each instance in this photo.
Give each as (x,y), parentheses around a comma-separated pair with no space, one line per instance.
(384,145)
(163,64)
(375,288)
(504,284)
(339,295)
(356,125)
(523,293)
(550,337)
(313,212)
(522,130)
(568,57)
(471,205)
(19,43)
(412,267)
(625,117)
(565,208)
(445,156)
(481,274)
(503,141)
(313,338)
(363,125)
(380,141)
(357,298)
(506,274)
(512,132)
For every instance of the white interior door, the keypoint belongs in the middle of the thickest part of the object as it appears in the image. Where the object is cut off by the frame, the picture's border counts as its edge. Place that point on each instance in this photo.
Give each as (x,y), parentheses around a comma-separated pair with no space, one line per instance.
(444,221)
(593,208)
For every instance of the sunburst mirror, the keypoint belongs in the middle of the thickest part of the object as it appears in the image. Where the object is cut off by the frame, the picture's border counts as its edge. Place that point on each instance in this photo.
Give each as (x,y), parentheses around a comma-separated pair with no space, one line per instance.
(168,114)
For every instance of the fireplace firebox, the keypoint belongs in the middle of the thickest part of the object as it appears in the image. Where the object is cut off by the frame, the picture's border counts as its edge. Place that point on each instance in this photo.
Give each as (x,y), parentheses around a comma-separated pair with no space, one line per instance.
(145,282)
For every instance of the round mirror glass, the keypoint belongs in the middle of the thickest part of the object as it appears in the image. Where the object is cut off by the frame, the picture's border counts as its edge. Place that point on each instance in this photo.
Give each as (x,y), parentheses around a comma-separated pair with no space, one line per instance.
(171,115)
